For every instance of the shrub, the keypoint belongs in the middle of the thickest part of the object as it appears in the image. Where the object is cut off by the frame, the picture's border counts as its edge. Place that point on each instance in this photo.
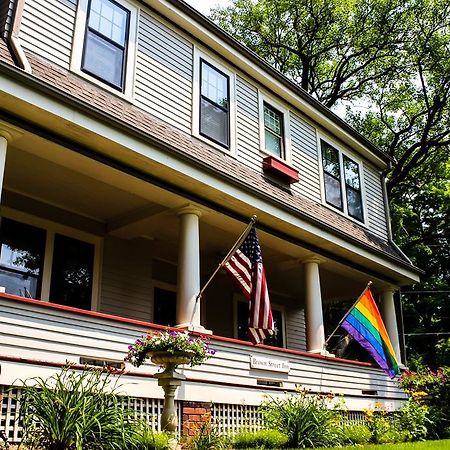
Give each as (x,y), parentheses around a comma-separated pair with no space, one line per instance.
(356,434)
(413,420)
(206,438)
(76,411)
(144,438)
(260,439)
(305,419)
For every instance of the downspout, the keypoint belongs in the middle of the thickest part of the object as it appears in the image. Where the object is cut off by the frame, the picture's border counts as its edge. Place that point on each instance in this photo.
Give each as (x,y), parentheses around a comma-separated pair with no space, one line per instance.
(388,214)
(13,38)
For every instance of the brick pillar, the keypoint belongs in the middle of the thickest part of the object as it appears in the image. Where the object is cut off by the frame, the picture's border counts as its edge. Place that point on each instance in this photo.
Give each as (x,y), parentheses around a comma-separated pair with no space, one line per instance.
(194,414)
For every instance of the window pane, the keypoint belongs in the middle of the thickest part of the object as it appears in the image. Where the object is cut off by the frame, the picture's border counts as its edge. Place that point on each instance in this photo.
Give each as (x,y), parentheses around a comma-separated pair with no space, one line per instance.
(109,19)
(273,143)
(72,269)
(330,160)
(103,60)
(21,258)
(277,339)
(351,173)
(242,319)
(214,86)
(354,203)
(273,120)
(333,193)
(164,307)
(214,122)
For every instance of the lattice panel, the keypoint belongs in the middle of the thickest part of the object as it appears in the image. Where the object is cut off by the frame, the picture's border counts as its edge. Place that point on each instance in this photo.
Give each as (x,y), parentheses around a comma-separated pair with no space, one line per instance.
(9,413)
(230,419)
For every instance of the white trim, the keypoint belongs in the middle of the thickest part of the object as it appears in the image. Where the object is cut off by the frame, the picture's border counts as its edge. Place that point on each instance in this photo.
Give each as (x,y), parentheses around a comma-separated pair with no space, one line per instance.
(51,229)
(78,43)
(355,159)
(262,97)
(199,54)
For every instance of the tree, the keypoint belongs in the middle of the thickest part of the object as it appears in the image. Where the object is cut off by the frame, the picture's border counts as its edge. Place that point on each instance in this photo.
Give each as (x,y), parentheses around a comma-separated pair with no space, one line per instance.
(388,62)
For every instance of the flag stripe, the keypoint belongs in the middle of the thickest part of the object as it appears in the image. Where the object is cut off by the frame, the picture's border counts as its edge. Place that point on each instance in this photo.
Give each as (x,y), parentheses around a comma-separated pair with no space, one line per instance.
(365,325)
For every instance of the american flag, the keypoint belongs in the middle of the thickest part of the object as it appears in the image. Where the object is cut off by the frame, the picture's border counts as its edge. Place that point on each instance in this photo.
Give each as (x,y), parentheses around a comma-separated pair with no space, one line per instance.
(246,267)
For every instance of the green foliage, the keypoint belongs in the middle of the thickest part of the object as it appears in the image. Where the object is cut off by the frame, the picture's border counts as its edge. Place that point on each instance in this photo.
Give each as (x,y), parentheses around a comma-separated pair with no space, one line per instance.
(443,352)
(74,411)
(355,434)
(432,389)
(264,439)
(413,420)
(144,438)
(206,437)
(304,419)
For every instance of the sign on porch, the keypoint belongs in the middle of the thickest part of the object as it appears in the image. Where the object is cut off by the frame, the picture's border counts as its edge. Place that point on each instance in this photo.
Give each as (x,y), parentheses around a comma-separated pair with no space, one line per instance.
(272,364)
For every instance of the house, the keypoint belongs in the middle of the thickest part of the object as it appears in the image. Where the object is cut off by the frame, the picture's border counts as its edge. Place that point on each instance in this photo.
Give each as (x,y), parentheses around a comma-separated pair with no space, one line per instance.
(136,141)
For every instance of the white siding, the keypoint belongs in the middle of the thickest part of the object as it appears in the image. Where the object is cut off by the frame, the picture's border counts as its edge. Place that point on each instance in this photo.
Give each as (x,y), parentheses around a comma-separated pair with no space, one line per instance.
(295,328)
(164,70)
(39,333)
(305,158)
(126,288)
(374,202)
(247,125)
(47,29)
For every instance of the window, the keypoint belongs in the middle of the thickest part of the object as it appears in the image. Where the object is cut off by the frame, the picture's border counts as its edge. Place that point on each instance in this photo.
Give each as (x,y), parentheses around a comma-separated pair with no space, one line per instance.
(36,262)
(214,104)
(342,182)
(21,258)
(105,46)
(164,309)
(277,340)
(273,131)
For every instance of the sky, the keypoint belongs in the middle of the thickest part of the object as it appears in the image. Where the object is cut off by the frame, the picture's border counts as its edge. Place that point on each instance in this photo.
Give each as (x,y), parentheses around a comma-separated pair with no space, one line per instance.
(205,5)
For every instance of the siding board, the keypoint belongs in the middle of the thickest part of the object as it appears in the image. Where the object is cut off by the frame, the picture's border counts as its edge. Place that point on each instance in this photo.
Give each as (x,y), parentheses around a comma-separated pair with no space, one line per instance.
(40,20)
(374,202)
(164,55)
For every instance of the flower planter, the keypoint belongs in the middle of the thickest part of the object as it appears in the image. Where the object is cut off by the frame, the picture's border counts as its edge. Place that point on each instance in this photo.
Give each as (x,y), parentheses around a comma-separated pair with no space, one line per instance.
(165,358)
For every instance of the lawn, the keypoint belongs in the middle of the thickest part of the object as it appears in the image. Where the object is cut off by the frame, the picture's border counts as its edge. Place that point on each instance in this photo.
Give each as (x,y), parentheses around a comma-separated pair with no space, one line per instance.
(427,445)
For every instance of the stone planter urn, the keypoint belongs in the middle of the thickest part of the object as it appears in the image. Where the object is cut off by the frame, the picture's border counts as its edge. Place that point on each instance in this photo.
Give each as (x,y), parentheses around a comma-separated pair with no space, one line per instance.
(169,380)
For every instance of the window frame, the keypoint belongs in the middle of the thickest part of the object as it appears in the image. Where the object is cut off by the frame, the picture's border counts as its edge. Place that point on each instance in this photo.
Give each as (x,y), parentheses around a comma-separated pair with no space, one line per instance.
(264,99)
(343,185)
(238,298)
(51,229)
(199,57)
(130,47)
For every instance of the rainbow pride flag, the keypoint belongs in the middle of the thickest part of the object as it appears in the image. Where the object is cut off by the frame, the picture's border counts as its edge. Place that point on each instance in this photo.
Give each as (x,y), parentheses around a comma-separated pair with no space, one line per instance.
(363,322)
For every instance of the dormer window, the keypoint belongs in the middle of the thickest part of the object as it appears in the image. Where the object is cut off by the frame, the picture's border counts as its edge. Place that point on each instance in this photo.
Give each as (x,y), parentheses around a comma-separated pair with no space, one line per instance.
(342,182)
(105,47)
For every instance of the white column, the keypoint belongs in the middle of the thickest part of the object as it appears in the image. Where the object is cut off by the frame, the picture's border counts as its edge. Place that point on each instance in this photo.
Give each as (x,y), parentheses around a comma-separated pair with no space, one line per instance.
(315,334)
(188,284)
(390,320)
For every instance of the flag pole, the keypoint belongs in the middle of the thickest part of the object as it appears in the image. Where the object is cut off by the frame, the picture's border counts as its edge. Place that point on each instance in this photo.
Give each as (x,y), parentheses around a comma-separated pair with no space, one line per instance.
(346,314)
(224,261)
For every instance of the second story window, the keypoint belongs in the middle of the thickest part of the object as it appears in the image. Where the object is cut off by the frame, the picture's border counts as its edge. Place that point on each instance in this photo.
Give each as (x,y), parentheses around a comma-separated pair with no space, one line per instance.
(214,104)
(273,131)
(342,182)
(105,46)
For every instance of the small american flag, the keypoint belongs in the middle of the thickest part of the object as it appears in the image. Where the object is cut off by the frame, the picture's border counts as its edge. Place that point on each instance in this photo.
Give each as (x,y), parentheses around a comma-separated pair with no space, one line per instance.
(246,267)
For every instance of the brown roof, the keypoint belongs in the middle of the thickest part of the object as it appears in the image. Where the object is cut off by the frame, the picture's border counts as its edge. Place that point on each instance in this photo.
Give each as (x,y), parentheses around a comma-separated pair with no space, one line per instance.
(75,87)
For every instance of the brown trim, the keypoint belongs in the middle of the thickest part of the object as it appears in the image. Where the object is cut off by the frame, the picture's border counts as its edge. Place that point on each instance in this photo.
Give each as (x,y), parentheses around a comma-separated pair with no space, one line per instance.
(150,325)
(44,363)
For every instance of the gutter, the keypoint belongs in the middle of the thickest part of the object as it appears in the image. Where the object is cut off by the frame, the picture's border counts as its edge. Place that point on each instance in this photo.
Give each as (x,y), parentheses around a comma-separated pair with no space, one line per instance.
(13,38)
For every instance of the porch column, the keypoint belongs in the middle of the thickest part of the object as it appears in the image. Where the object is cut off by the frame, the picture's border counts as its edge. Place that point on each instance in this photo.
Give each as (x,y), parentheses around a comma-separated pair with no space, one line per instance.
(390,320)
(315,334)
(4,138)
(188,283)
